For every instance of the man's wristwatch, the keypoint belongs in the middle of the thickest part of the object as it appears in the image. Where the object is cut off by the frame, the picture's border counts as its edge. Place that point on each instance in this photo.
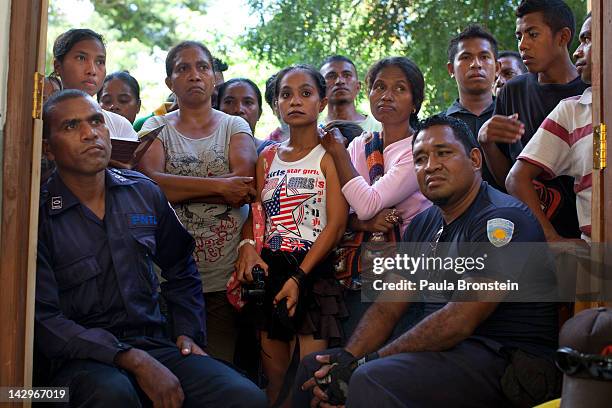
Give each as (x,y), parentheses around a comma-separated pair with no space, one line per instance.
(244,242)
(367,357)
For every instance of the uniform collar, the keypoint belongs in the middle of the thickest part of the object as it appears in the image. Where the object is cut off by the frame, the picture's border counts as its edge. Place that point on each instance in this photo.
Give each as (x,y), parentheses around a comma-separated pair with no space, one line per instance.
(587,97)
(456,107)
(115,178)
(482,190)
(58,197)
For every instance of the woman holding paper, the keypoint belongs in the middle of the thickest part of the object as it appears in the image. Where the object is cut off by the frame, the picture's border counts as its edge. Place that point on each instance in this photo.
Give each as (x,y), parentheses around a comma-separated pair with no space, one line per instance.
(204,160)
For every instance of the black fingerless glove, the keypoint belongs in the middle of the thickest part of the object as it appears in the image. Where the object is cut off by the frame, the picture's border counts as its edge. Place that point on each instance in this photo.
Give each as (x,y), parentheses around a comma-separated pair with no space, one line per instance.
(336,382)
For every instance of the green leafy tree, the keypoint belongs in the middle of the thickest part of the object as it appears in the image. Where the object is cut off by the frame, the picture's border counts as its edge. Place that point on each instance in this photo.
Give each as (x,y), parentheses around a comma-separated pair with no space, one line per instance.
(150,21)
(307,31)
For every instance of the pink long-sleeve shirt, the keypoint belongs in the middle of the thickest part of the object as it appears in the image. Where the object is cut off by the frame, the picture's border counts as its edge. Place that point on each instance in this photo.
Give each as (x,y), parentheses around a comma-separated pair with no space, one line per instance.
(397,188)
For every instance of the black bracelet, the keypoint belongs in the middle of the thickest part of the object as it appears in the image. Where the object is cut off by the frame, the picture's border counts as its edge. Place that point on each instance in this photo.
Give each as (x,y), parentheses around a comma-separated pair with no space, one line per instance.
(297,282)
(299,276)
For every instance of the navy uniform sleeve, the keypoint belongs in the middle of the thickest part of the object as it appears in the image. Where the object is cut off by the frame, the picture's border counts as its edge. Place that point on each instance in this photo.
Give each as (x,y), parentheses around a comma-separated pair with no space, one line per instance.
(57,336)
(183,286)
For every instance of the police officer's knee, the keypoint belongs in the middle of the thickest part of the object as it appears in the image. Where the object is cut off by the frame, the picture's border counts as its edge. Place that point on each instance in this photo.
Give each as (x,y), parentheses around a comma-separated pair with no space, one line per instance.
(110,390)
(362,386)
(244,393)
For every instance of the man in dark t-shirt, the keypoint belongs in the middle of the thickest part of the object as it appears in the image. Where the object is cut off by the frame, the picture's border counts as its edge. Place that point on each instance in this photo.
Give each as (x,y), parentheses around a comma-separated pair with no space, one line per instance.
(544,31)
(472,62)
(461,345)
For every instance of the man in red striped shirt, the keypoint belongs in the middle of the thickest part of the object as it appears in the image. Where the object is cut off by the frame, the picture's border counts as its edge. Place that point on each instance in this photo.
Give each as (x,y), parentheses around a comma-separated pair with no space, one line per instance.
(563,145)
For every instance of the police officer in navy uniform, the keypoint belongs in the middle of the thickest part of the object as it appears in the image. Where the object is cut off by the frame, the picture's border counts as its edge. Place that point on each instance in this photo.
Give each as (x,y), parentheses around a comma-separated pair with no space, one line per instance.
(458,354)
(97,310)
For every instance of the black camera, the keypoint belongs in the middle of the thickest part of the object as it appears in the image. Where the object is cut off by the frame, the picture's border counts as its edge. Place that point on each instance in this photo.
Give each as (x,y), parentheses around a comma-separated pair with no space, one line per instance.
(255,291)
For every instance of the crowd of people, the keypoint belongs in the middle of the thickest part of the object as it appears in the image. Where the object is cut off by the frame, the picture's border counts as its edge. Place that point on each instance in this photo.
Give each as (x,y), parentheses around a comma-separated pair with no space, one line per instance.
(225,270)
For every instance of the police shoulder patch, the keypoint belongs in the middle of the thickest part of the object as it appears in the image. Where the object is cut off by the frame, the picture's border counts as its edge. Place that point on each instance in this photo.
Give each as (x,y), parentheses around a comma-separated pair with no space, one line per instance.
(499,231)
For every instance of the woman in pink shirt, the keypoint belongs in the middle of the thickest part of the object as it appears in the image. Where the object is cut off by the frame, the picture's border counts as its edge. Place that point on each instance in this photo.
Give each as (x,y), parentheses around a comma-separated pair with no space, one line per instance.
(396,91)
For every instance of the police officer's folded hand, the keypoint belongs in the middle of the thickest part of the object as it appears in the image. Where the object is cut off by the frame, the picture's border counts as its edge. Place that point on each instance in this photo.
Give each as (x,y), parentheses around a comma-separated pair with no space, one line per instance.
(158,383)
(188,346)
(322,379)
(237,191)
(330,384)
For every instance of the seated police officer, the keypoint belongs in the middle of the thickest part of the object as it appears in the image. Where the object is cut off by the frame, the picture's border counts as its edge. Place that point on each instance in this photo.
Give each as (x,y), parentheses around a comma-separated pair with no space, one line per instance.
(458,354)
(97,311)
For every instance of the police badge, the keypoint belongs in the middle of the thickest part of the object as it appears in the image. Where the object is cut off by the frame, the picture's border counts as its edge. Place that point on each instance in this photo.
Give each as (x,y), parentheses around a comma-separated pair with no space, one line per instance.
(499,231)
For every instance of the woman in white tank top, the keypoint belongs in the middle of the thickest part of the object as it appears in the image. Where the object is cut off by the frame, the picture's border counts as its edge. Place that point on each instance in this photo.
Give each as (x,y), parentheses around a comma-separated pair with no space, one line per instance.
(305,216)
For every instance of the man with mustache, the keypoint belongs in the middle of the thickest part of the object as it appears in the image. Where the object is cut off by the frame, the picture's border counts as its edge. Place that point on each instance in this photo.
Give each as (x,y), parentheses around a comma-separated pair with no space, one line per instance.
(343,86)
(472,62)
(544,30)
(563,145)
(461,343)
(97,311)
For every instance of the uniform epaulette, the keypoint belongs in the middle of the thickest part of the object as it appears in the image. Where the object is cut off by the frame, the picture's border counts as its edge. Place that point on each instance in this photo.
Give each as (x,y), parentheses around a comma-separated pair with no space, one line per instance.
(131,174)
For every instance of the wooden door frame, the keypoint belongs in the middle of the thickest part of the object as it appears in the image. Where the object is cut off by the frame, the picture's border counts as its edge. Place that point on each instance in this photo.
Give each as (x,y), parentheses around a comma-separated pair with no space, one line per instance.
(20,187)
(601,27)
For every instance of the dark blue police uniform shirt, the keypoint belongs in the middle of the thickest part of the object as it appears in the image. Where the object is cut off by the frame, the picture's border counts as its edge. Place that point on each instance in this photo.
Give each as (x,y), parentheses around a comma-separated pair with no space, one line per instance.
(95,278)
(530,326)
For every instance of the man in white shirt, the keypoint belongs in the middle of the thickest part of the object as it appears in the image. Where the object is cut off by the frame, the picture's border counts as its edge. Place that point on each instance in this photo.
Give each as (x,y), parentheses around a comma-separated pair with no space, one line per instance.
(563,145)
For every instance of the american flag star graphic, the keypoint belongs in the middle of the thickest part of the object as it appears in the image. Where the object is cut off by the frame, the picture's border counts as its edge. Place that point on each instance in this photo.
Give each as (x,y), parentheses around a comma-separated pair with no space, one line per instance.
(281,208)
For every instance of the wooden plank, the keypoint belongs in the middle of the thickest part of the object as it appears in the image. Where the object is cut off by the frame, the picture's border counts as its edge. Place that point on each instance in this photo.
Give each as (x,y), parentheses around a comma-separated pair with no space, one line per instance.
(34,199)
(601,204)
(597,207)
(16,189)
(606,117)
(606,108)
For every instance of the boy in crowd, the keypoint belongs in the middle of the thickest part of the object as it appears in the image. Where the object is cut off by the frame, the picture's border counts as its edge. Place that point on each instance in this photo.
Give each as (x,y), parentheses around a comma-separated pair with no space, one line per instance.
(510,65)
(472,62)
(544,29)
(343,86)
(563,145)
